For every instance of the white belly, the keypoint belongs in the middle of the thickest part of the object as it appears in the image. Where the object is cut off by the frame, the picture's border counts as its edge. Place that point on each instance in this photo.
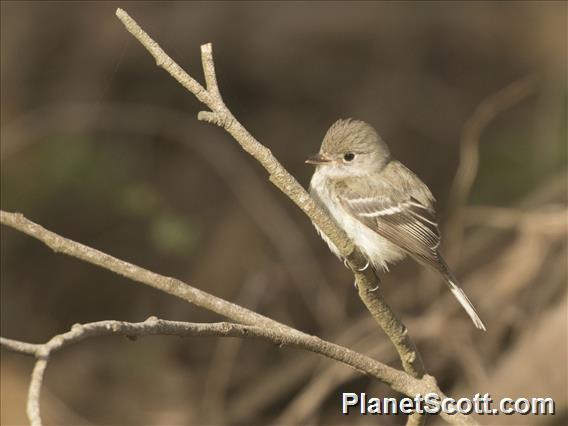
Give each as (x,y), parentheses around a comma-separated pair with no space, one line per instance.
(378,250)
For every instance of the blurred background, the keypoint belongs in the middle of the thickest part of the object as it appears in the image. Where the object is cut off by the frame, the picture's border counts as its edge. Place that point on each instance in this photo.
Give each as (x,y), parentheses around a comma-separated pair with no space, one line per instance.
(101,146)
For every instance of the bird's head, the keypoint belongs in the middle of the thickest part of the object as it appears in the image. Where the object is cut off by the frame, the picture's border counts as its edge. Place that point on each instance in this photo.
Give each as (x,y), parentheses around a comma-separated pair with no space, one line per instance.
(351,148)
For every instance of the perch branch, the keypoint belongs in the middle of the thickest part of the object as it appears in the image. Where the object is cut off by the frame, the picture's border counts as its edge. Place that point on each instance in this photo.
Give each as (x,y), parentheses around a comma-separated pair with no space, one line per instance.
(221,116)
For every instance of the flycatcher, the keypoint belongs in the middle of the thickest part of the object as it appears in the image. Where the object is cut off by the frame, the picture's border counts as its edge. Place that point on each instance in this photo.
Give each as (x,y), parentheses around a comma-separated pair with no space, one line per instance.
(384,208)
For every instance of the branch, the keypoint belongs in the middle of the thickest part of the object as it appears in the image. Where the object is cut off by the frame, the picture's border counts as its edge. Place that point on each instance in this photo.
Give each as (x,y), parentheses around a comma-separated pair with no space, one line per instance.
(32,404)
(221,116)
(399,380)
(235,170)
(168,285)
(255,325)
(482,116)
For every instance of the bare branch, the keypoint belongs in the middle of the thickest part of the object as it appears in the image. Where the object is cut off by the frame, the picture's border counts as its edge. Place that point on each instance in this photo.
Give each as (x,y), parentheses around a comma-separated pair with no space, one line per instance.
(221,116)
(256,325)
(166,284)
(33,403)
(163,60)
(209,72)
(399,380)
(136,273)
(549,219)
(482,116)
(235,170)
(17,346)
(155,326)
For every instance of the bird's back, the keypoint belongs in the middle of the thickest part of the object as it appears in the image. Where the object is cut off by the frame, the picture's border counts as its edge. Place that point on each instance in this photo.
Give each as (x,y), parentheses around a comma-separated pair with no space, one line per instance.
(407,182)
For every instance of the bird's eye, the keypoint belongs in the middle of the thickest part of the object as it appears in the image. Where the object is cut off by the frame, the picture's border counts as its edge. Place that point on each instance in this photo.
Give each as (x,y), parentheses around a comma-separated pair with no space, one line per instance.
(349,156)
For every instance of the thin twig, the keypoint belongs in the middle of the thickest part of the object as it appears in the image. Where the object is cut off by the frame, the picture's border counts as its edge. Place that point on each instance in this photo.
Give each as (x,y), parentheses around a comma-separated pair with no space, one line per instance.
(33,402)
(221,116)
(21,347)
(163,60)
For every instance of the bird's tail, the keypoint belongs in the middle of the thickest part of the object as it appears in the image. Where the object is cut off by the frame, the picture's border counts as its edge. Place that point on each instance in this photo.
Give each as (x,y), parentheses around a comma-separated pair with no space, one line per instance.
(464,301)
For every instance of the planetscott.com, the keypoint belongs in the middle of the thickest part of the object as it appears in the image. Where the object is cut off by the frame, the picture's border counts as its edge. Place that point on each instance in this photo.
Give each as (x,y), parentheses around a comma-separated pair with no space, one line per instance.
(431,403)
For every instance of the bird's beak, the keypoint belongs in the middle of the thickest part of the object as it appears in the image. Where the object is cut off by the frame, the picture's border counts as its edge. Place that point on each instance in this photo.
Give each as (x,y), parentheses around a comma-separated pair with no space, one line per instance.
(318,159)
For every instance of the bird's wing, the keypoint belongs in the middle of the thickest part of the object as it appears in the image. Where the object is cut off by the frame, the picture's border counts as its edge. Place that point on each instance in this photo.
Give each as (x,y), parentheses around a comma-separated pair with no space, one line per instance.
(396,215)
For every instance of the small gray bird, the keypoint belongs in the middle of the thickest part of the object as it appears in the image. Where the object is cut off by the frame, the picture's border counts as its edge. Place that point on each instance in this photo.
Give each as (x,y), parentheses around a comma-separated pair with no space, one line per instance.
(383,207)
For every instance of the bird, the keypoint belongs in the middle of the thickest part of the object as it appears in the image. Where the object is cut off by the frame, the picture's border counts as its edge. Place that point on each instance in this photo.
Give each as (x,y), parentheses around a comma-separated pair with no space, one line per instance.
(383,207)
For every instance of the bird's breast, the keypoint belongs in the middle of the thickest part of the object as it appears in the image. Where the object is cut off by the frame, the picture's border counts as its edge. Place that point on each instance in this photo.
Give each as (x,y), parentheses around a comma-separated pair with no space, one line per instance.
(377,249)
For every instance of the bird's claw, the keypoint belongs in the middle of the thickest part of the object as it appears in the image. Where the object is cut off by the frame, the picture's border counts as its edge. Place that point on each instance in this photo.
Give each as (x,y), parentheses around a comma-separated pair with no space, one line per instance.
(374,289)
(364,267)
